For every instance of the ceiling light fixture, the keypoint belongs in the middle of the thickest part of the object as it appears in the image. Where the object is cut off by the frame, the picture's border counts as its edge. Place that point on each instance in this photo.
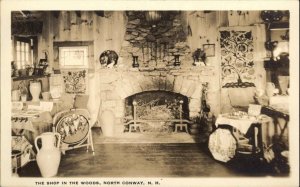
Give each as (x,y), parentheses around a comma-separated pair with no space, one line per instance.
(153,17)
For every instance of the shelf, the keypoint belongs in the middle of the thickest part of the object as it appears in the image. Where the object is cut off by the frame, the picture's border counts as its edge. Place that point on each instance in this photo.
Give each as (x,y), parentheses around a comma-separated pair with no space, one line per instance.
(29,77)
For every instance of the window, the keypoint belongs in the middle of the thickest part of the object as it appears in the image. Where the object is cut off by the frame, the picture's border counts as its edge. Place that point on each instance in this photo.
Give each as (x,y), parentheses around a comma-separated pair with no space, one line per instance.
(73,57)
(23,52)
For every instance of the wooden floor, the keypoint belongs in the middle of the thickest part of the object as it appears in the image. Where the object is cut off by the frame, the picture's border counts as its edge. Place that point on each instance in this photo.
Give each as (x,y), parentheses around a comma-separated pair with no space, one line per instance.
(144,157)
(145,160)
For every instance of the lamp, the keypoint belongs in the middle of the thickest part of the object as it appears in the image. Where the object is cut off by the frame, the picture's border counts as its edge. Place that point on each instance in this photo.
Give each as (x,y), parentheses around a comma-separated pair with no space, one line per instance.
(153,17)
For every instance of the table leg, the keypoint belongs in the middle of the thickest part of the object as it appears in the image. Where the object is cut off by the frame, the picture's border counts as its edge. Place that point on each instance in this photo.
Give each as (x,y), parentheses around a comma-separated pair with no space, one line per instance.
(257,137)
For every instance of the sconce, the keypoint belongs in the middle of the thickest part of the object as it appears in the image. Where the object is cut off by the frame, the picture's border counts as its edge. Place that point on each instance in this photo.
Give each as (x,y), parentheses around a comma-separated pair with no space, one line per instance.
(135,62)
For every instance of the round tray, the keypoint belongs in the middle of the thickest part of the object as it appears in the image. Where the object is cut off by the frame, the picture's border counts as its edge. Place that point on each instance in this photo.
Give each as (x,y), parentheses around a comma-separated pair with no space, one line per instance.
(73,128)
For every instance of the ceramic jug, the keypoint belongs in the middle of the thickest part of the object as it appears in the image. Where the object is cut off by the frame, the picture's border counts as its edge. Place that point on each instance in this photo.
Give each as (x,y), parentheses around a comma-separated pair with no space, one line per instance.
(35,90)
(270,89)
(48,157)
(15,95)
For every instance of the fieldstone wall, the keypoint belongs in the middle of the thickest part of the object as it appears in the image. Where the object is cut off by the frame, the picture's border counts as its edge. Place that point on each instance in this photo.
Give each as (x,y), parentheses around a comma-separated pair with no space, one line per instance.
(116,85)
(155,44)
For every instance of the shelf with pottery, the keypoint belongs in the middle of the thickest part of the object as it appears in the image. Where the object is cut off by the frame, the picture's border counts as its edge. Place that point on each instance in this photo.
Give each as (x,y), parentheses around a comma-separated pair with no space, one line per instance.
(29,77)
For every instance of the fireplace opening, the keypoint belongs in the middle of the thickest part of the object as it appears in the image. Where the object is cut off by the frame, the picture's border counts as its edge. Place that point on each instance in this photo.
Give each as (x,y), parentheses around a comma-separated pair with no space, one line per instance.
(157,110)
(157,105)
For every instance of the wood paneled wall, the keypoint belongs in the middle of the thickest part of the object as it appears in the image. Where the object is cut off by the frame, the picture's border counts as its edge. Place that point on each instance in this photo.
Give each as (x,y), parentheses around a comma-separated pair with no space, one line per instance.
(105,32)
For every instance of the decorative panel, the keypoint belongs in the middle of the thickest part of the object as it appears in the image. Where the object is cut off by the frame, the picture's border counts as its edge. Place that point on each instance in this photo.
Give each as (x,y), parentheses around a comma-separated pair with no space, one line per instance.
(237,58)
(75,81)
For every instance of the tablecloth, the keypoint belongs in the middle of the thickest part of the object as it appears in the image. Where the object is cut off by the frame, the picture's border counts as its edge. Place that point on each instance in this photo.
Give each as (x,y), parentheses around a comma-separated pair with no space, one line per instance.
(242,122)
(33,125)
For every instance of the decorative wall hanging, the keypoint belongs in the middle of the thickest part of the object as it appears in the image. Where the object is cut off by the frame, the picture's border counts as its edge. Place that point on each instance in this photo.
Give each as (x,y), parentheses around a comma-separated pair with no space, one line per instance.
(75,81)
(108,58)
(237,58)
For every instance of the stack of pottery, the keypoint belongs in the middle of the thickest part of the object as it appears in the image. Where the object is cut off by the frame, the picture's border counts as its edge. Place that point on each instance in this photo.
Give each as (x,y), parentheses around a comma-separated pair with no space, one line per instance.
(194,129)
(48,157)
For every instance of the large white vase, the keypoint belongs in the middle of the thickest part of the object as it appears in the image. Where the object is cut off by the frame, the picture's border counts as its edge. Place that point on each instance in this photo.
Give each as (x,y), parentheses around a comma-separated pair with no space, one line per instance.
(35,90)
(107,123)
(48,157)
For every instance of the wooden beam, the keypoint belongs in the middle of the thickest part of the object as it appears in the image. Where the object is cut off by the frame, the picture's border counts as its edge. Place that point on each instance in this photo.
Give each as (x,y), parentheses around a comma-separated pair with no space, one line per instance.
(27,28)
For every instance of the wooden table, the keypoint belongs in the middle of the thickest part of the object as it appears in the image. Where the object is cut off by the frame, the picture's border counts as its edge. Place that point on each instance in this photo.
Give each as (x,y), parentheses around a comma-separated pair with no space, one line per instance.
(31,124)
(278,114)
(230,131)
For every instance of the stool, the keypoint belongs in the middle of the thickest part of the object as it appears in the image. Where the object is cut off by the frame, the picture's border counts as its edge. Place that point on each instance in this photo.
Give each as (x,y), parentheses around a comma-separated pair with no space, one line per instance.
(181,127)
(134,127)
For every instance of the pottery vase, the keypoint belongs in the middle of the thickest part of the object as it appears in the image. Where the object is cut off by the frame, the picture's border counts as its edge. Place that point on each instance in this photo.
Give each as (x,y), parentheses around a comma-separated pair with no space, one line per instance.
(107,123)
(48,157)
(270,89)
(15,95)
(283,84)
(35,90)
(194,129)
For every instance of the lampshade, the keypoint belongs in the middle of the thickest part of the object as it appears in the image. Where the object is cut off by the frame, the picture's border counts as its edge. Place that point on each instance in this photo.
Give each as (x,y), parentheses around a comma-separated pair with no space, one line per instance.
(153,16)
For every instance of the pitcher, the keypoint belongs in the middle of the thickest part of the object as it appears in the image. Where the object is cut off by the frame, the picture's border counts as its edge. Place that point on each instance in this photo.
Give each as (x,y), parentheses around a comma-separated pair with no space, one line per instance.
(270,89)
(48,157)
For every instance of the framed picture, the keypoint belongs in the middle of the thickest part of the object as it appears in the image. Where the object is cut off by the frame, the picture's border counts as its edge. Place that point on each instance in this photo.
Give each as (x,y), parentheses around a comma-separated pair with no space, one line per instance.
(73,57)
(209,49)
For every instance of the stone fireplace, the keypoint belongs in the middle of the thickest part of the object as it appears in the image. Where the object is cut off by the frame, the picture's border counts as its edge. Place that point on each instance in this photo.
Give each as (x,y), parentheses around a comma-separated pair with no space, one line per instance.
(119,87)
(156,46)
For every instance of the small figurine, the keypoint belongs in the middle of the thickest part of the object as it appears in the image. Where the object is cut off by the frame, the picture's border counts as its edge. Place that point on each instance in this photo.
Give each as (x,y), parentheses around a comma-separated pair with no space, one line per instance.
(199,57)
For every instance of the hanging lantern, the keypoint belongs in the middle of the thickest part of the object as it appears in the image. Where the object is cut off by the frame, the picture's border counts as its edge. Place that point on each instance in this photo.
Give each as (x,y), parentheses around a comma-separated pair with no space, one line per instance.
(153,17)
